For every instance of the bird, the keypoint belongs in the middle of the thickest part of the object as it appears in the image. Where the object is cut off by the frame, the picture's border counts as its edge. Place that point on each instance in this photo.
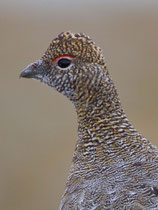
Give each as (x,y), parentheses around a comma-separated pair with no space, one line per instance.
(113,165)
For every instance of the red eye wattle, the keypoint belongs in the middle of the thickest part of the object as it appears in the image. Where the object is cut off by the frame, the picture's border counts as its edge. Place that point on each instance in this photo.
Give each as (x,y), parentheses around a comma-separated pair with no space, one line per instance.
(63,61)
(63,56)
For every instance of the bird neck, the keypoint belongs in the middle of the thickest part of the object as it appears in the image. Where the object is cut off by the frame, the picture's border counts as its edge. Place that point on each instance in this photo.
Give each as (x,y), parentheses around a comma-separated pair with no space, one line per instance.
(106,139)
(101,106)
(103,121)
(102,124)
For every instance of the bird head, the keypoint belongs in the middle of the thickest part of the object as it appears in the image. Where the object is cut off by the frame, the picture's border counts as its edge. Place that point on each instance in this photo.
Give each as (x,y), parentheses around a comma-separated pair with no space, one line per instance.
(72,64)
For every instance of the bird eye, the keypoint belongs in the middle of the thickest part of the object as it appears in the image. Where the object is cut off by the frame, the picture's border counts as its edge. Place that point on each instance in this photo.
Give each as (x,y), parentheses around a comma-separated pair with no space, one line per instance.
(64,62)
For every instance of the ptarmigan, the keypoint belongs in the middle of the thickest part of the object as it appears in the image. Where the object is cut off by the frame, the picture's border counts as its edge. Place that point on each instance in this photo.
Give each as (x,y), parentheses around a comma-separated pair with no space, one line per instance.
(113,166)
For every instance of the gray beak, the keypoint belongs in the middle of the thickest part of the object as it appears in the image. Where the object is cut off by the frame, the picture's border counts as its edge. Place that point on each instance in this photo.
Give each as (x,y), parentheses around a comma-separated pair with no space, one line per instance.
(27,73)
(35,70)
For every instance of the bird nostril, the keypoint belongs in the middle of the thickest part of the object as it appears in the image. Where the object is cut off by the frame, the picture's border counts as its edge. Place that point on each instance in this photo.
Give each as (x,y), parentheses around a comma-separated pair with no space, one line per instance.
(34,65)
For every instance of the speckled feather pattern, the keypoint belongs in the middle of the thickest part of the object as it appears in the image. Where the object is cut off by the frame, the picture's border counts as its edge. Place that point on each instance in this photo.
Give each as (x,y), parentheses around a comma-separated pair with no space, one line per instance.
(113,166)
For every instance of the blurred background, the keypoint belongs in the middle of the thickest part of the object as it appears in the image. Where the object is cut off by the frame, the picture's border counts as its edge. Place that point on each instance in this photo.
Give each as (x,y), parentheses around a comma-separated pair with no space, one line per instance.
(38,128)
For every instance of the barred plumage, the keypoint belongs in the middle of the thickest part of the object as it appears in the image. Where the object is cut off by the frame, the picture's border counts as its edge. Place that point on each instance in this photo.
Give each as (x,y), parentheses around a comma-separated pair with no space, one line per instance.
(113,166)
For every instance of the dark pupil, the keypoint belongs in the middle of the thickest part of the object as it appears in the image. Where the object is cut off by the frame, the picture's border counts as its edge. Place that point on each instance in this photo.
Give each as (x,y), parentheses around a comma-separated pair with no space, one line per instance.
(64,62)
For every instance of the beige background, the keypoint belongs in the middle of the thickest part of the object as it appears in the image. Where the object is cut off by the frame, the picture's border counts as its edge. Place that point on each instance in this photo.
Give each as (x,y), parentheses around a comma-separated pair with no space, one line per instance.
(38,126)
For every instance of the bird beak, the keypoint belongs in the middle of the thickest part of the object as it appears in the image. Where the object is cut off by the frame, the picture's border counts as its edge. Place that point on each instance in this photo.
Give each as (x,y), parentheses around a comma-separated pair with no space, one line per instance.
(34,70)
(27,72)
